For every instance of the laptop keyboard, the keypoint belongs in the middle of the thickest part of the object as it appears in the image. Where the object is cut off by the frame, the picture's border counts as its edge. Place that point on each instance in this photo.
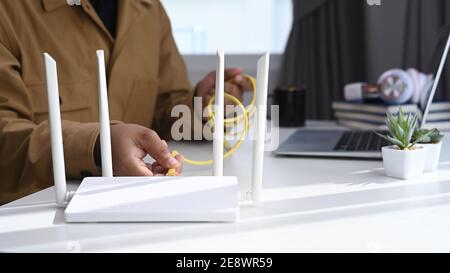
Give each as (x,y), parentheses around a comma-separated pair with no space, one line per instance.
(360,141)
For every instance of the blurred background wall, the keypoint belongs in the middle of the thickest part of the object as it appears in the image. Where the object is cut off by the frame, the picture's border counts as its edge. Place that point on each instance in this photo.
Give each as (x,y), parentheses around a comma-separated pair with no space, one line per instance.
(385,27)
(320,44)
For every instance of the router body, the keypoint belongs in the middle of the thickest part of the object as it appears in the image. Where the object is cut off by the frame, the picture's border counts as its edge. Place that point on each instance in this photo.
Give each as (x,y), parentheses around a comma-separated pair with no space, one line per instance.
(155,199)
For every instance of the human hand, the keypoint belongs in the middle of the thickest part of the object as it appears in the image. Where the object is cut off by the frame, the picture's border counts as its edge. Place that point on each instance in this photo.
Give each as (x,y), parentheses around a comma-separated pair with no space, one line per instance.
(130,143)
(235,84)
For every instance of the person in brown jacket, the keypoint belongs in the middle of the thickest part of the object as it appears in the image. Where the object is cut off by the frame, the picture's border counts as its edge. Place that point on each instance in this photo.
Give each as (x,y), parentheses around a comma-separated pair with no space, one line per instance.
(146,78)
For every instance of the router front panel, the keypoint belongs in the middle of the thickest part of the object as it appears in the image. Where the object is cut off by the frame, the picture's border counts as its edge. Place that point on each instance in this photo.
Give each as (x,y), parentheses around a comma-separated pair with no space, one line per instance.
(155,199)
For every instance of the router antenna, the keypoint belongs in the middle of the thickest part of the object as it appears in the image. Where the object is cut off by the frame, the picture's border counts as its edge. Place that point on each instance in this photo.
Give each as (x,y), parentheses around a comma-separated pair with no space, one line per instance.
(105,132)
(262,80)
(56,139)
(218,137)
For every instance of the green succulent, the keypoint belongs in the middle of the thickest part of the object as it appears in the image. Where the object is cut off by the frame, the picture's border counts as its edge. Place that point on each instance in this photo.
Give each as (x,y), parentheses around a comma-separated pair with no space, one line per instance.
(428,136)
(401,129)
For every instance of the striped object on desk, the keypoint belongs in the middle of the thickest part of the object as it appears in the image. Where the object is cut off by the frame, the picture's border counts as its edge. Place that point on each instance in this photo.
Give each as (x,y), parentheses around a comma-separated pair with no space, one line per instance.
(367,116)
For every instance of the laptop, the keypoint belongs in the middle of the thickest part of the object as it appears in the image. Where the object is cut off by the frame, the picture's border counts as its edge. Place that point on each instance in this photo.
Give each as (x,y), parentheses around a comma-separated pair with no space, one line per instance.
(338,143)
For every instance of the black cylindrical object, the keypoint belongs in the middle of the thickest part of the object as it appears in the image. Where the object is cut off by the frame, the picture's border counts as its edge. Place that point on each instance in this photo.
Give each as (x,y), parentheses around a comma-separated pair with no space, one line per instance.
(292,104)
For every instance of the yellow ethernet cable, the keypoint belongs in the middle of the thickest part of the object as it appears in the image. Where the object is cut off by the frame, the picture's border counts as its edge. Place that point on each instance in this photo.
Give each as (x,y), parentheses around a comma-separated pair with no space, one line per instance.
(247,112)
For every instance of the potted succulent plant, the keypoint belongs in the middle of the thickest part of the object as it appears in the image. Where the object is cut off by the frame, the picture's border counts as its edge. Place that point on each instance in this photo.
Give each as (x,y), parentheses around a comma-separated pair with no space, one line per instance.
(405,159)
(431,139)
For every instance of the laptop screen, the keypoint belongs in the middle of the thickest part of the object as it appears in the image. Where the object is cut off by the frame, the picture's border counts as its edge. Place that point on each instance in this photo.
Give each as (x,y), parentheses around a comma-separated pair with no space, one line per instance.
(427,99)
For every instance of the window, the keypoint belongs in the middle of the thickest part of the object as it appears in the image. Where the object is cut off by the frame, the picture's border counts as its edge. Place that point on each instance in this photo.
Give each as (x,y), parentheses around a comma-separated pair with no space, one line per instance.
(237,26)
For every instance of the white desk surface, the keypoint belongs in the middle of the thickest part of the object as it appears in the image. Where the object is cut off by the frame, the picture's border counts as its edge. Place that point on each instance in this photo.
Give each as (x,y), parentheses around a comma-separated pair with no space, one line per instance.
(312,205)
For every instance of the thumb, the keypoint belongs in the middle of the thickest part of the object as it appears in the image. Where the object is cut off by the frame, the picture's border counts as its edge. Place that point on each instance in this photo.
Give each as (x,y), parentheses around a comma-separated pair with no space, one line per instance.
(158,149)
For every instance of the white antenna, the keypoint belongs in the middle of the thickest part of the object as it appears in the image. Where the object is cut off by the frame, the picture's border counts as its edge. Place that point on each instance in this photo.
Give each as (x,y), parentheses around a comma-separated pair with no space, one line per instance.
(56,139)
(262,80)
(436,82)
(218,137)
(105,133)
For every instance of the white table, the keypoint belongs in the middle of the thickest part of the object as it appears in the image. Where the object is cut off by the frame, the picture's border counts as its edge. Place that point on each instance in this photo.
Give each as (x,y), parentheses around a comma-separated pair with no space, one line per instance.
(309,205)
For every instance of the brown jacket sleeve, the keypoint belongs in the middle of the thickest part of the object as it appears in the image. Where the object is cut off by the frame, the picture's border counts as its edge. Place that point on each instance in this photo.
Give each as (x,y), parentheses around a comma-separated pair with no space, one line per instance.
(174,87)
(25,156)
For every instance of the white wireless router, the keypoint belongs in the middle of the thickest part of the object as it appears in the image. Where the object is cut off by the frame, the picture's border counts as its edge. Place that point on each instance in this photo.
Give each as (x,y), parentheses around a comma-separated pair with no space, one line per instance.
(152,199)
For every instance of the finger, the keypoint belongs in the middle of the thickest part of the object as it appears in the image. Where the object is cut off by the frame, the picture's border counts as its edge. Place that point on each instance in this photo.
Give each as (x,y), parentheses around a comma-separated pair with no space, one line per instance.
(231,73)
(163,173)
(138,167)
(165,143)
(244,83)
(212,91)
(180,159)
(154,146)
(234,90)
(149,166)
(157,168)
(209,79)
(207,97)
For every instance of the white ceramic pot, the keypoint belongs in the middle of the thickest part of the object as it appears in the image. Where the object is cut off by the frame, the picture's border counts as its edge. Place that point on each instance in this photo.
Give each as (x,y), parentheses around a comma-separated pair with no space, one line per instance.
(433,154)
(404,164)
